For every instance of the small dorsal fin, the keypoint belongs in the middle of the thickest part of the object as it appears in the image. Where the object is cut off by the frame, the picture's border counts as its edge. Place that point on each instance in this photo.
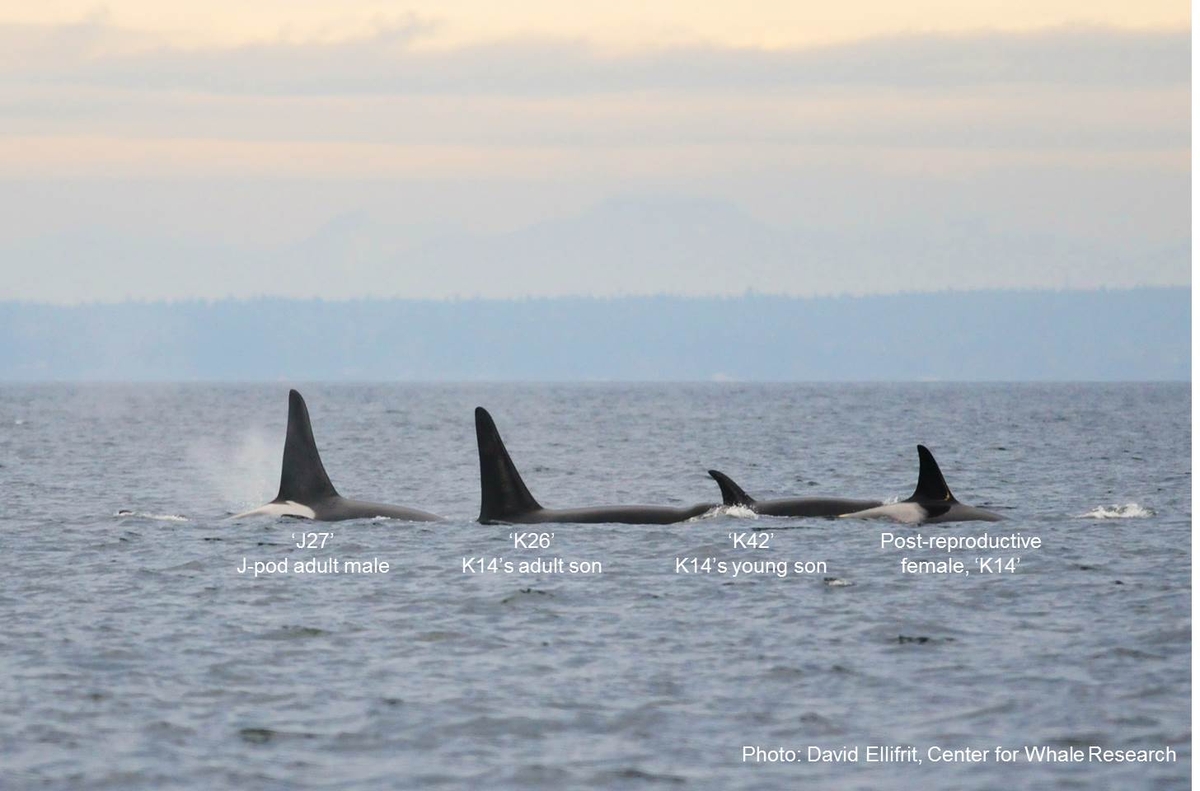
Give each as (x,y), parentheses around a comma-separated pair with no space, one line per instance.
(931,486)
(303,479)
(504,495)
(731,493)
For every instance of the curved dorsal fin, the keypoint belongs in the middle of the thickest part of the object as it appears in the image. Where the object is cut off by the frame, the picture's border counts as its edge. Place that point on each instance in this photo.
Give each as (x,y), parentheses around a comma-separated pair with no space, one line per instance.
(930,483)
(731,493)
(303,479)
(503,492)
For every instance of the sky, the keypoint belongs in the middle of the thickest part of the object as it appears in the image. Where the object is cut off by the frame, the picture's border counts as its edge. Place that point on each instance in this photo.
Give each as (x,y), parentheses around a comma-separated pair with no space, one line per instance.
(467,148)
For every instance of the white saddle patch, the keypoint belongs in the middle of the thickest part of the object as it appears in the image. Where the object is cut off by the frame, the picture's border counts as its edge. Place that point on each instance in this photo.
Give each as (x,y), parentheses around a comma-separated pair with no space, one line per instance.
(905,513)
(286,508)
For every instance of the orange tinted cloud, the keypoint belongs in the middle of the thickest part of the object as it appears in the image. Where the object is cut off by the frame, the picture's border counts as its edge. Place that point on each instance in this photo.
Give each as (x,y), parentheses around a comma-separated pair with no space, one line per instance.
(617,24)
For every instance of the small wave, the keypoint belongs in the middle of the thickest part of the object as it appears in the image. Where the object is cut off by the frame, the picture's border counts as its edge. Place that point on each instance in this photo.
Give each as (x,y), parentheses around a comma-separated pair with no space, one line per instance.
(158,517)
(736,511)
(290,632)
(922,639)
(716,510)
(265,735)
(639,775)
(512,598)
(1127,511)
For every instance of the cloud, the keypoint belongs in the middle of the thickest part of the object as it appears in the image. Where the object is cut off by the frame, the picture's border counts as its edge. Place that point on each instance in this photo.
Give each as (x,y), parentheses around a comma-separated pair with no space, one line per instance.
(1065,89)
(995,118)
(95,53)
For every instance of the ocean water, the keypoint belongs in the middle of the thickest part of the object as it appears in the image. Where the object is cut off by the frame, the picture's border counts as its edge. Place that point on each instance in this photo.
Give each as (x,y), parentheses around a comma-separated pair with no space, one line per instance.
(135,655)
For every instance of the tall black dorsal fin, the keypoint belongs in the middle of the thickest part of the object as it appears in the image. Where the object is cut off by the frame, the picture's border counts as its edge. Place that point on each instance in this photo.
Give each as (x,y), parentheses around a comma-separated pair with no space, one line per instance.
(303,479)
(504,493)
(731,493)
(930,483)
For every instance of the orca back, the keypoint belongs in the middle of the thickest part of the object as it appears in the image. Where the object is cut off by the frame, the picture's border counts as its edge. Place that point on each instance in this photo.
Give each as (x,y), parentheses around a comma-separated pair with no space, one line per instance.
(504,495)
(303,479)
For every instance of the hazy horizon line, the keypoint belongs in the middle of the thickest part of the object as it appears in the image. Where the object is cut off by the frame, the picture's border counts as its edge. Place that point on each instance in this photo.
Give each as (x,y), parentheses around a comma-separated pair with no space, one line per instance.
(334,383)
(684,297)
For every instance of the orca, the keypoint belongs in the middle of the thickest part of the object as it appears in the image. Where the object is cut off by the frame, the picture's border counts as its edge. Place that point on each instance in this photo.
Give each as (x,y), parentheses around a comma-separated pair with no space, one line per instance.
(931,502)
(506,500)
(305,490)
(732,494)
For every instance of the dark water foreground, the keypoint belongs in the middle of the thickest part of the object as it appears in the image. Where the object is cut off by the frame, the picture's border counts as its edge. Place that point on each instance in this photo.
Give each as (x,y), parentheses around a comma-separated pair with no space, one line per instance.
(135,655)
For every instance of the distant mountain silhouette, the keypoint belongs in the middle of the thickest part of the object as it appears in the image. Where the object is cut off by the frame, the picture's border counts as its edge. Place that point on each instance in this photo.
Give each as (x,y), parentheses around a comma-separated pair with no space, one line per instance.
(1136,334)
(633,246)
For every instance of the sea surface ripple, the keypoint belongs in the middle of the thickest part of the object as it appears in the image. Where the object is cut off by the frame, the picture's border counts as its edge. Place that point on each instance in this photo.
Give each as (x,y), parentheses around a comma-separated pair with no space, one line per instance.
(135,656)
